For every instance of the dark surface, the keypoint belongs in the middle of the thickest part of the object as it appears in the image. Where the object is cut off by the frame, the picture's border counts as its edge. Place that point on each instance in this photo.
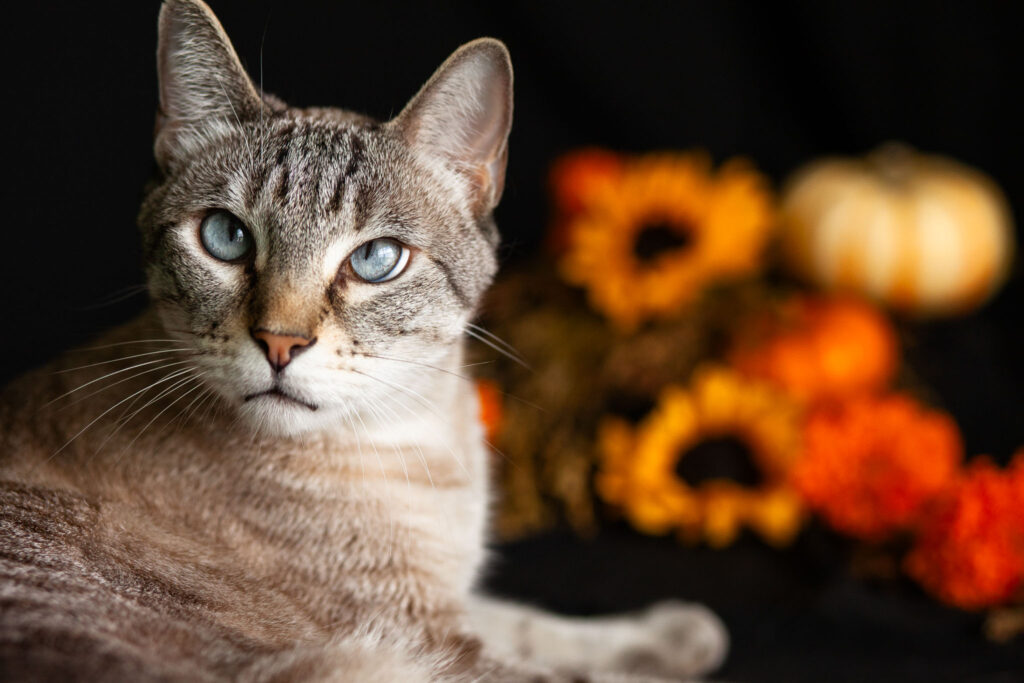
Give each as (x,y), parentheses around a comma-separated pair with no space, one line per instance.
(779,83)
(793,615)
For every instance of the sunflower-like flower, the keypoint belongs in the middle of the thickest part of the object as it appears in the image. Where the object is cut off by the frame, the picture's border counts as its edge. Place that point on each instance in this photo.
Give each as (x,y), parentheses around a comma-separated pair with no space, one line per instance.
(639,465)
(869,464)
(573,178)
(649,238)
(820,348)
(970,547)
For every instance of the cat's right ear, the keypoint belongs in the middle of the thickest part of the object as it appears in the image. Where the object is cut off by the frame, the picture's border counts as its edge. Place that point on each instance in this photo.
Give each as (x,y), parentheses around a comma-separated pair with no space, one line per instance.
(201,79)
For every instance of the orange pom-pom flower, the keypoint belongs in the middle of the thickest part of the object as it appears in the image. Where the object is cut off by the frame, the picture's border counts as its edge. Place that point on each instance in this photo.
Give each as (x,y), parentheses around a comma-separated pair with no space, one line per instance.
(869,464)
(489,397)
(821,348)
(970,549)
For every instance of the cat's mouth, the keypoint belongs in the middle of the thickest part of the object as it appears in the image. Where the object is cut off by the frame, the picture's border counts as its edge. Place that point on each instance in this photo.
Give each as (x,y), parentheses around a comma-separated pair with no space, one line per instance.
(276,393)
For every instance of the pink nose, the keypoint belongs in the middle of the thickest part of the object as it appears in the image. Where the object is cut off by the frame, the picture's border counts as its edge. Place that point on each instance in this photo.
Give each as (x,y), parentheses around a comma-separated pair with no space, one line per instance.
(281,348)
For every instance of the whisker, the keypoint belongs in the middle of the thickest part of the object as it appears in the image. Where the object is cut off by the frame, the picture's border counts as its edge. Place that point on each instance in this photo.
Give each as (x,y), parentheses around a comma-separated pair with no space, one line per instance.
(415,362)
(473,365)
(371,404)
(122,421)
(424,403)
(181,417)
(445,521)
(248,147)
(455,374)
(174,374)
(116,296)
(118,360)
(359,446)
(198,385)
(373,445)
(391,520)
(497,340)
(111,374)
(121,381)
(197,402)
(125,343)
(263,106)
(483,340)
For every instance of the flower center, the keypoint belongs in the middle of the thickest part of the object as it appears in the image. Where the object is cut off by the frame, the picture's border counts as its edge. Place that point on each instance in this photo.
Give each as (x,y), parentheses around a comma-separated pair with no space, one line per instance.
(658,237)
(720,457)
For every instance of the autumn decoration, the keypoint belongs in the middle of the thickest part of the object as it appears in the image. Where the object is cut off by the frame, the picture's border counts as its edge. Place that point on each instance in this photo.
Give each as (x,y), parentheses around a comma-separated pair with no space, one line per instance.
(923,233)
(817,347)
(678,383)
(638,467)
(489,396)
(647,239)
(970,549)
(870,464)
(575,180)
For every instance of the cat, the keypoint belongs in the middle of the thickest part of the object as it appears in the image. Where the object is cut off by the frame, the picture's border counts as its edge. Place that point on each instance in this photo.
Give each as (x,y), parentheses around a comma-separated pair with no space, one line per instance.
(277,472)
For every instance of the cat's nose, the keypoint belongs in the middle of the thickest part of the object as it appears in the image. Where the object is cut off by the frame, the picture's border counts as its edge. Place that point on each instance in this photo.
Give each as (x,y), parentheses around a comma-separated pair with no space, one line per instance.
(281,348)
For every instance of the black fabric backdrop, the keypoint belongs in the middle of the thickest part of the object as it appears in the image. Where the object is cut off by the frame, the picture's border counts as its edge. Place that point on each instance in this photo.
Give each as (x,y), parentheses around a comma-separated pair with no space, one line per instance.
(779,83)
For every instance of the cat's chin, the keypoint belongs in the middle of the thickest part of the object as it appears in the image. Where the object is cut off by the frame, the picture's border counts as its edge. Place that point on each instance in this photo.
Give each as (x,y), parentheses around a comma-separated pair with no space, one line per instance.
(276,414)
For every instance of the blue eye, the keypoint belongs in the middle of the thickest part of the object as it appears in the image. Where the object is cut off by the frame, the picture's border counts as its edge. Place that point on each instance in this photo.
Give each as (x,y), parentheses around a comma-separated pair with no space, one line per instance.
(380,260)
(225,237)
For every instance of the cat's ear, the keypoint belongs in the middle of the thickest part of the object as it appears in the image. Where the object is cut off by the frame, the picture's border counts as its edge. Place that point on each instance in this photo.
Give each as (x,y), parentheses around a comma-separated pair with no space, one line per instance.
(463,115)
(201,78)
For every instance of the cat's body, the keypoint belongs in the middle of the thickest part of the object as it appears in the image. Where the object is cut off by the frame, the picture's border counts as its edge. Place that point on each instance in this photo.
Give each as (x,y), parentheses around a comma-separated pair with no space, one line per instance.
(197,543)
(278,473)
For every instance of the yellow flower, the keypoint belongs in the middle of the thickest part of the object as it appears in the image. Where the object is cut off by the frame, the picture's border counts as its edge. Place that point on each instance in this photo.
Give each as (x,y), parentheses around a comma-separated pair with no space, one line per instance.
(638,466)
(648,239)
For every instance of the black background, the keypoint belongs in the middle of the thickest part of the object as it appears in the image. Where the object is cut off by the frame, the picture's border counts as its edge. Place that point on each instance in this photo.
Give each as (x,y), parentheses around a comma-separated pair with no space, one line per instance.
(778,83)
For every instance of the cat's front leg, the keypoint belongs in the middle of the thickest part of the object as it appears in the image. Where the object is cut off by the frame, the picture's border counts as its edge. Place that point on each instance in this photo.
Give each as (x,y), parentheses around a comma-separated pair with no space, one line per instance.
(673,639)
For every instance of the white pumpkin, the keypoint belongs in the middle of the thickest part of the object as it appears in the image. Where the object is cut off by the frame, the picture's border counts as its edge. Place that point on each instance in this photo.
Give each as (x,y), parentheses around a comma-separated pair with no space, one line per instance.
(921,233)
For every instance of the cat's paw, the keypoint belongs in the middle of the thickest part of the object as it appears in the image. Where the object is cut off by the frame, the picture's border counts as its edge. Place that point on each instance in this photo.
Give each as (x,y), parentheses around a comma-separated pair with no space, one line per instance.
(675,639)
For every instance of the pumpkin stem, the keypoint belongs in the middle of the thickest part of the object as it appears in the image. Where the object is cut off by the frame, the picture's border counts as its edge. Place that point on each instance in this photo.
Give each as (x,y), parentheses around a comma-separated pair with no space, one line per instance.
(893,161)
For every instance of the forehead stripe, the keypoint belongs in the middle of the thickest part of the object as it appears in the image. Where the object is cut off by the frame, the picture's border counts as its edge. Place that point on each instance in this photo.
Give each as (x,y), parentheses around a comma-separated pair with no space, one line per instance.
(356,152)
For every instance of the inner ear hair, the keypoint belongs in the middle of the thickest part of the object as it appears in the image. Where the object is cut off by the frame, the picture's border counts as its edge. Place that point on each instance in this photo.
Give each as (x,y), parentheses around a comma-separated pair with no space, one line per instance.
(463,115)
(201,78)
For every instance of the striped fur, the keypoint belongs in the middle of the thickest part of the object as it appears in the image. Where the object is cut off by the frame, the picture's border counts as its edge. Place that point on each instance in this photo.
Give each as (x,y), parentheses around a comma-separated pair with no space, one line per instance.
(163,518)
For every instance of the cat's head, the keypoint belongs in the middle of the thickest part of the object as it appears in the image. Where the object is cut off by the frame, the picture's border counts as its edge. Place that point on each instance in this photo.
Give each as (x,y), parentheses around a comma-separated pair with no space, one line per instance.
(317,261)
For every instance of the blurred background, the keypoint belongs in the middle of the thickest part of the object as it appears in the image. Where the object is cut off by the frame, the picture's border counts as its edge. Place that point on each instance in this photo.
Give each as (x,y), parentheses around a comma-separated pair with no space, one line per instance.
(779,84)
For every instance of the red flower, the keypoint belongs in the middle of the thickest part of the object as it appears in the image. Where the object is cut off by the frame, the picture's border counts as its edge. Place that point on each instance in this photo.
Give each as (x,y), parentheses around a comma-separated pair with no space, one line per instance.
(869,464)
(970,550)
(489,397)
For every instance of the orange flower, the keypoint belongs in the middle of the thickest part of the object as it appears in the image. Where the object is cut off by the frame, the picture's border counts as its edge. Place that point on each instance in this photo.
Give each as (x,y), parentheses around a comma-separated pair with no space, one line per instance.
(648,240)
(489,396)
(818,348)
(573,179)
(870,463)
(970,550)
(638,465)
(575,176)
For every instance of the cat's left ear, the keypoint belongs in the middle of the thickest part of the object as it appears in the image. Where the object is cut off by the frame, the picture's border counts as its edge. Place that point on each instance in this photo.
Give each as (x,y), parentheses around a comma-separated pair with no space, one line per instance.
(463,115)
